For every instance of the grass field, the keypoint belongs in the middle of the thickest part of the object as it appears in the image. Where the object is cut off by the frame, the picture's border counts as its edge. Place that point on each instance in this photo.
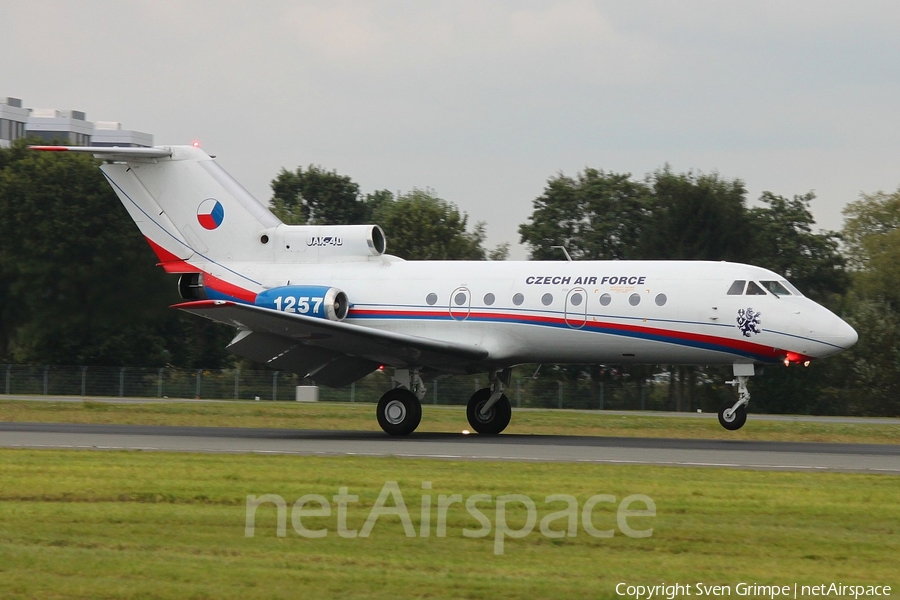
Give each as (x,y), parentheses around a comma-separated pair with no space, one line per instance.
(80,524)
(168,525)
(436,418)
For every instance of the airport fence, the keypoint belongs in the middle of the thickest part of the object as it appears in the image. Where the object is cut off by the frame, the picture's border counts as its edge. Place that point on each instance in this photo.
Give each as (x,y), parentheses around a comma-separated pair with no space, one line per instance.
(236,384)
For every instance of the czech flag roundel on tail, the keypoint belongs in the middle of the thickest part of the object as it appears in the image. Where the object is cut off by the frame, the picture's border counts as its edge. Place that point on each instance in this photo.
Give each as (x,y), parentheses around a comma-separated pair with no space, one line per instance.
(210,213)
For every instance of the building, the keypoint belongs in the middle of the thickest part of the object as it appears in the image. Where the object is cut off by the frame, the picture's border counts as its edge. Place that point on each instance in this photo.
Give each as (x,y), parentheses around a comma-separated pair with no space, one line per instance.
(69,127)
(110,133)
(13,119)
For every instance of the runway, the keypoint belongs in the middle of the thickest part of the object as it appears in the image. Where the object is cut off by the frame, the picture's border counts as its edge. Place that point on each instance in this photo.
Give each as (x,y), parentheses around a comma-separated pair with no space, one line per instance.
(625,413)
(795,456)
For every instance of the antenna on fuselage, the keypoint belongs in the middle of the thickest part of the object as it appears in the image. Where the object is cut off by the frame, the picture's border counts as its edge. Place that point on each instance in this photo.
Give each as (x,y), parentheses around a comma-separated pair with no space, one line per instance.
(566,252)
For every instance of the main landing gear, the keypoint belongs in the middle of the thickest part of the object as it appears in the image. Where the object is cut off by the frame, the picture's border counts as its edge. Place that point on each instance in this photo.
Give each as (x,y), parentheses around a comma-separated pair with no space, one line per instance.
(399,412)
(400,409)
(489,410)
(733,415)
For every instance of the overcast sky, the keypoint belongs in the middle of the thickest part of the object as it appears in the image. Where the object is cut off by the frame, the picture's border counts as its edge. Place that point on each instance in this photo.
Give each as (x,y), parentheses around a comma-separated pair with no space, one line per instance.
(484,101)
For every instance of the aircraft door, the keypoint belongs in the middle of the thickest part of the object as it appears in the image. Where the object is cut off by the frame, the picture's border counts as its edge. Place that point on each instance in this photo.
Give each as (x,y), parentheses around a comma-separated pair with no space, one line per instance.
(576,308)
(460,302)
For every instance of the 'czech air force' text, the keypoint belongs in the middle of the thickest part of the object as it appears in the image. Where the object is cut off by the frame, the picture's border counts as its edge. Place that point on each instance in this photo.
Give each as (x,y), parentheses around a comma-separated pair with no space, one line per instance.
(587,280)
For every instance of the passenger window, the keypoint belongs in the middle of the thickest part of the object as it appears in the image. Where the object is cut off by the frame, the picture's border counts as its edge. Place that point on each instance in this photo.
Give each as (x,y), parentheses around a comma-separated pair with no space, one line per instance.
(489,299)
(634,299)
(605,299)
(547,299)
(431,298)
(518,299)
(661,299)
(754,290)
(737,288)
(776,288)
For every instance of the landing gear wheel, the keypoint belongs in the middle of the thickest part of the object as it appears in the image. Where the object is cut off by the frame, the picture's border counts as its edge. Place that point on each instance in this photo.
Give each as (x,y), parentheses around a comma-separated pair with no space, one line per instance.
(399,412)
(497,417)
(737,419)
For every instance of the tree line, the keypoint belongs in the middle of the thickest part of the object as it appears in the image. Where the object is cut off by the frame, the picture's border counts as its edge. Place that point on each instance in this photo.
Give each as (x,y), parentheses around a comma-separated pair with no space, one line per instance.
(695,216)
(78,283)
(419,225)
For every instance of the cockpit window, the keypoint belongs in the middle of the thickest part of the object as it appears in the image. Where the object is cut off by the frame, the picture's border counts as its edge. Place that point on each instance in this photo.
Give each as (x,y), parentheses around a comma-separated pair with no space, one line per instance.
(790,287)
(776,288)
(737,288)
(754,290)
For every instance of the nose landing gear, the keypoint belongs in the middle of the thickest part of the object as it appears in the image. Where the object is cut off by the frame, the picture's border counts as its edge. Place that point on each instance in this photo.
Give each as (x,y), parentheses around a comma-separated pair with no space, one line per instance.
(733,415)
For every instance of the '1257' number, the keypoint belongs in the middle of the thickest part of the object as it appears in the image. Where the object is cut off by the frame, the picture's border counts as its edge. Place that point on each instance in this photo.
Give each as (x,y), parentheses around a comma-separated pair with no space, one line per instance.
(297,305)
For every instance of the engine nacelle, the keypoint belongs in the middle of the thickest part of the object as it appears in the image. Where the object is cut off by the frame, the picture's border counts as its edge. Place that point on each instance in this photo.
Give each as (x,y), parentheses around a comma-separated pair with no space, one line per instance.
(312,300)
(190,286)
(315,243)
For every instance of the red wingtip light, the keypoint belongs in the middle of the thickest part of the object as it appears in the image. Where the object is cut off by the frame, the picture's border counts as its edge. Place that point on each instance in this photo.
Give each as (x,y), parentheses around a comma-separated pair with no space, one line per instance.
(195,143)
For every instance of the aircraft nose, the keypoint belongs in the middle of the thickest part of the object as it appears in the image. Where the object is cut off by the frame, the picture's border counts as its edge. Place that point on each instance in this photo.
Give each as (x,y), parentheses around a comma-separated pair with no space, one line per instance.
(847,336)
(837,333)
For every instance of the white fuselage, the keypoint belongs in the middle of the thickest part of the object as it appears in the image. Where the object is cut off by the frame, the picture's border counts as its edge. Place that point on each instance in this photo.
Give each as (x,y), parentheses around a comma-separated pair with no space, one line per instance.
(648,312)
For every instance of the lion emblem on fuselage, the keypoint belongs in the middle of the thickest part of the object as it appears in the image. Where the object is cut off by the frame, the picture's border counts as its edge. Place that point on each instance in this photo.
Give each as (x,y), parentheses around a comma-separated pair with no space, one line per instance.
(748,321)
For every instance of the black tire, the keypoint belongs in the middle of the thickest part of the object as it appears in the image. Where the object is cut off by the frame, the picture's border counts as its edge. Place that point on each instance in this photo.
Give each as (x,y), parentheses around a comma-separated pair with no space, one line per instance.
(399,412)
(738,418)
(497,418)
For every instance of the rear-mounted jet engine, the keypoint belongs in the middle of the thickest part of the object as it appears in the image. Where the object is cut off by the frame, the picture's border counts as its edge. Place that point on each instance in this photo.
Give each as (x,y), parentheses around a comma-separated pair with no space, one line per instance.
(312,300)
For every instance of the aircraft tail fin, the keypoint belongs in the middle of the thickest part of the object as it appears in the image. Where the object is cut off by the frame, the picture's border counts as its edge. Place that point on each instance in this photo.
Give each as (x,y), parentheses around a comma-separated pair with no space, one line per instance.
(197,218)
(185,204)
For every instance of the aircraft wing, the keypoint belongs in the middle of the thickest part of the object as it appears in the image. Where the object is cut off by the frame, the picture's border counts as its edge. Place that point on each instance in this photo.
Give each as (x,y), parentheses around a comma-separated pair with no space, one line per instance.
(332,352)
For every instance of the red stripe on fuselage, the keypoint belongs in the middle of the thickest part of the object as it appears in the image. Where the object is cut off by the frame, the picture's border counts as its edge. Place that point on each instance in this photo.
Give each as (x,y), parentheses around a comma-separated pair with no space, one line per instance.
(173,264)
(168,261)
(728,343)
(229,289)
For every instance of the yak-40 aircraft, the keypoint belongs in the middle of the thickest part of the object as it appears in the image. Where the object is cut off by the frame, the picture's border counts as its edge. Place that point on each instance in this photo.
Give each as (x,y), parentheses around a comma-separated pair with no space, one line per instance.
(328,303)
